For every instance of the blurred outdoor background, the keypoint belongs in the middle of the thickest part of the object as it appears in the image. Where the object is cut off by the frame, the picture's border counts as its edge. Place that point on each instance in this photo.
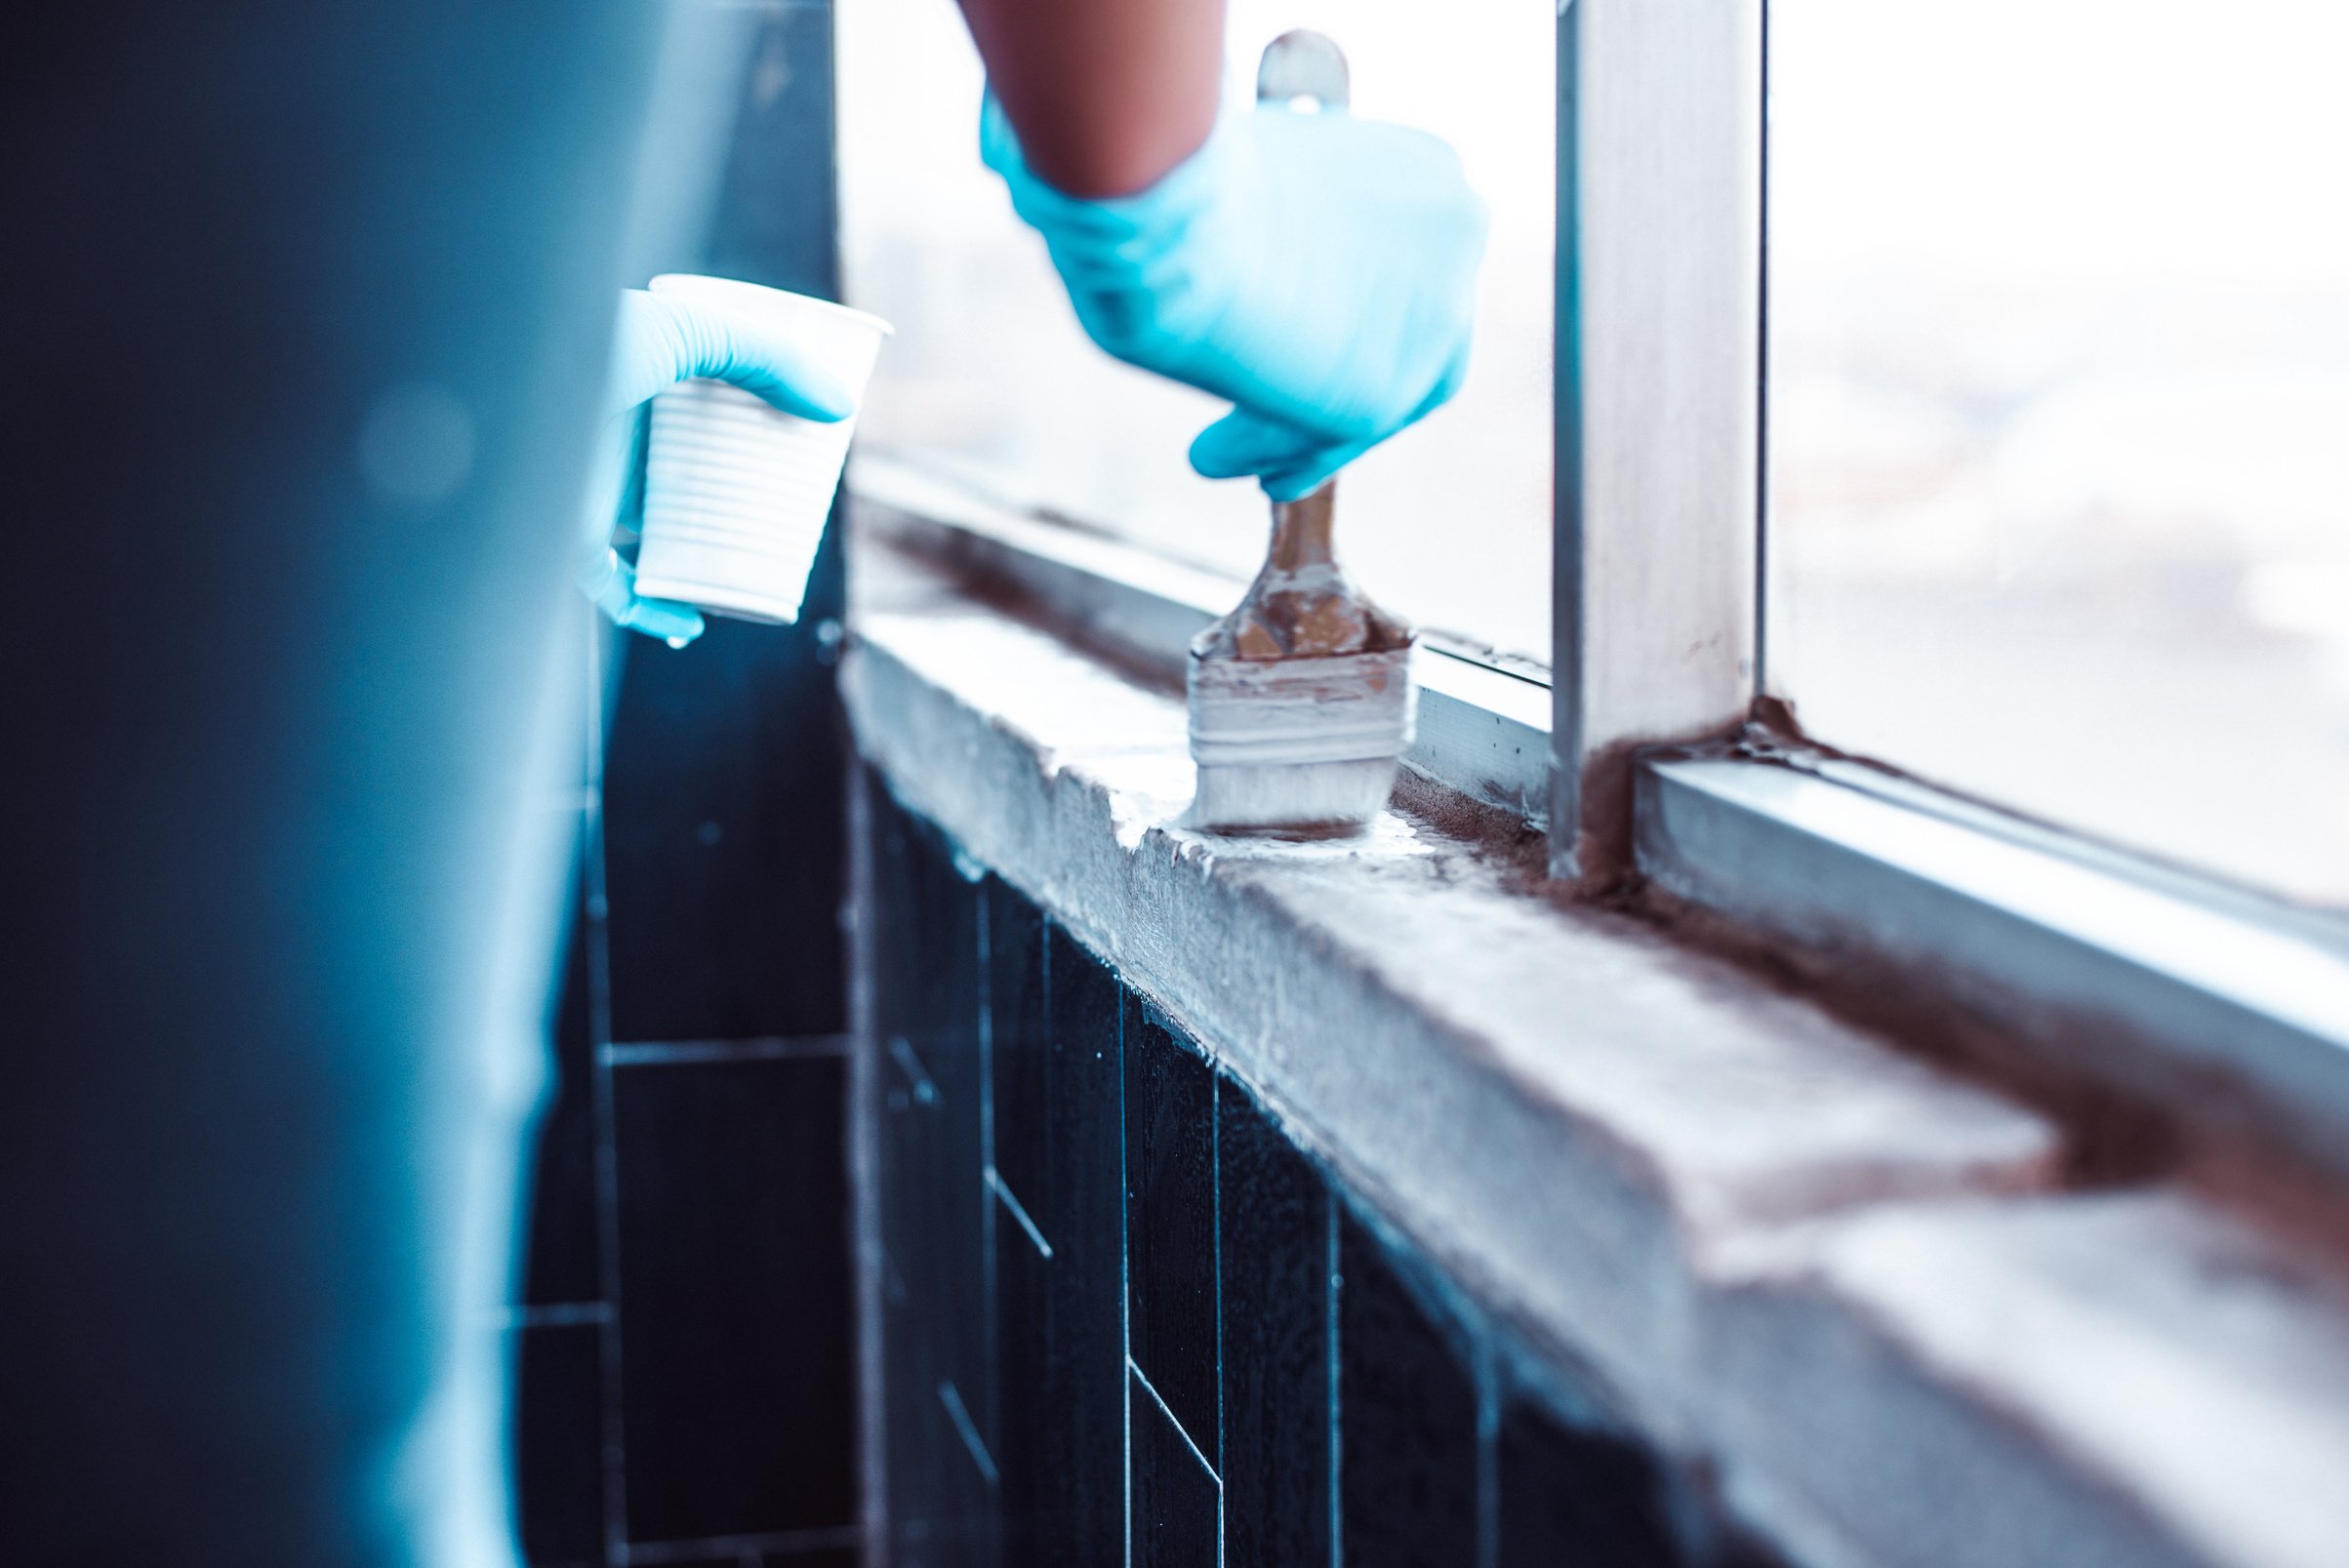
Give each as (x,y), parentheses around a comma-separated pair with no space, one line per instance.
(2059,412)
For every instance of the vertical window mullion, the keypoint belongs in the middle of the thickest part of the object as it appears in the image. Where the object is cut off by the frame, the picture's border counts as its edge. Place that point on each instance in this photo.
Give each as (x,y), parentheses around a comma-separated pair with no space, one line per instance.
(1659,324)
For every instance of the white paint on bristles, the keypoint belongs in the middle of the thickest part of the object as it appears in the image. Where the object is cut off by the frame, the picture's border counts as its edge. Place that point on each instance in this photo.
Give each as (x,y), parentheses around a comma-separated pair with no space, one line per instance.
(1299,741)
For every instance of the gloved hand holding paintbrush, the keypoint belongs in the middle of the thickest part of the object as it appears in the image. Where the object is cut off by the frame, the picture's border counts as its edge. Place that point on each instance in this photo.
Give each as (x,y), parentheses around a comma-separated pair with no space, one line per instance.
(1318,271)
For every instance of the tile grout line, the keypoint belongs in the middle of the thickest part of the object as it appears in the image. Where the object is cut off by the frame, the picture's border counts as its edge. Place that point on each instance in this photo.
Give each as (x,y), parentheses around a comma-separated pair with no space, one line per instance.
(749,1048)
(1489,1476)
(1002,1192)
(699,1549)
(549,1314)
(613,1452)
(917,1076)
(1329,1340)
(1125,1293)
(1215,1183)
(867,1250)
(952,1397)
(989,1313)
(1150,1388)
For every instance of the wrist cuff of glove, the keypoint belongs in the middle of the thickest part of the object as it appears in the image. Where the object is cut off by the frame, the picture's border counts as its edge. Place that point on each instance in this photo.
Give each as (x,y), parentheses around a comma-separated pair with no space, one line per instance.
(1148,219)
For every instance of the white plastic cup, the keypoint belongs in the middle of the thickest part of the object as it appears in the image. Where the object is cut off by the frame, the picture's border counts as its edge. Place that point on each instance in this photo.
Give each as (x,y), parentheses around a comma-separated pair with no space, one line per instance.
(736,491)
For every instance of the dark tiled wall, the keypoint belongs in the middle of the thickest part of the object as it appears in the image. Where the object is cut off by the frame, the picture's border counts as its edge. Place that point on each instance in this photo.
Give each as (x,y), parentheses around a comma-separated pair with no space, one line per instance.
(1125,1318)
(684,1331)
(684,1334)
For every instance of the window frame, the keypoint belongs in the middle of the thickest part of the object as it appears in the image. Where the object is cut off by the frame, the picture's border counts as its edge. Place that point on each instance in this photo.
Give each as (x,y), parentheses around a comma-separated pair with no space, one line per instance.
(1655,606)
(2222,1009)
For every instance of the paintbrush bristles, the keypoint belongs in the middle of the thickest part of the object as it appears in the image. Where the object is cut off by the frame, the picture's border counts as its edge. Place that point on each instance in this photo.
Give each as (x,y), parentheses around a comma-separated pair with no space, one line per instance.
(1298,797)
(1301,698)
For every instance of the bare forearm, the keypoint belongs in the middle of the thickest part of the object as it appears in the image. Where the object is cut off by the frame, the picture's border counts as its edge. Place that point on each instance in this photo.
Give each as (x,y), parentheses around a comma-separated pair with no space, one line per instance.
(1106,94)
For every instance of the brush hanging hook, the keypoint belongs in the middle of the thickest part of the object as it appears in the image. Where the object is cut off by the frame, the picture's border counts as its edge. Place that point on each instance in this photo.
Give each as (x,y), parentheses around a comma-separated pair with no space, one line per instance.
(1304,69)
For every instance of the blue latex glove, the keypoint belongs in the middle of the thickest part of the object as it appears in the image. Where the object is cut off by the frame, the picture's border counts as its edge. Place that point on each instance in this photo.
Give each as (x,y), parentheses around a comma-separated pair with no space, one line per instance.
(662,340)
(1317,270)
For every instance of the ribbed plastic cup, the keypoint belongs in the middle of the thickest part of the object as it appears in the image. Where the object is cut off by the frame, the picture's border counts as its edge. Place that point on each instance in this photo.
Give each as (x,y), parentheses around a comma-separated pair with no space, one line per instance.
(736,491)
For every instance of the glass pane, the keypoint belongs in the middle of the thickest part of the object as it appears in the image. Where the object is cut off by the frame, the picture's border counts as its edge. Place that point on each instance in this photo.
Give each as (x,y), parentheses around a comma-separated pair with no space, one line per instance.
(1450,523)
(2059,412)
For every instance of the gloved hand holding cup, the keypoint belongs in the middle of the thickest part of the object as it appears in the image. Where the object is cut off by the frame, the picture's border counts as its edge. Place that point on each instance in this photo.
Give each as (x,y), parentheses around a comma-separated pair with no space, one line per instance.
(753,395)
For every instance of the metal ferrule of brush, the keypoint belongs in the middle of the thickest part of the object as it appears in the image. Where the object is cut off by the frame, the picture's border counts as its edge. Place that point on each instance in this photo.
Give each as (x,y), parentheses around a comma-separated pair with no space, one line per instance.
(1301,700)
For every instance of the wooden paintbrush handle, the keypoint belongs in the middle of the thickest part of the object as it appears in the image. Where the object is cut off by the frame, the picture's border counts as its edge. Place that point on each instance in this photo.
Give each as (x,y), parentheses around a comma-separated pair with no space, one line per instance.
(1302,530)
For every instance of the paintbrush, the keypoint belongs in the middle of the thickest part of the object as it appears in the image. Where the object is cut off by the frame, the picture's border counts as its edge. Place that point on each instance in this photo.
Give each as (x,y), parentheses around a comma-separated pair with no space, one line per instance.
(1301,698)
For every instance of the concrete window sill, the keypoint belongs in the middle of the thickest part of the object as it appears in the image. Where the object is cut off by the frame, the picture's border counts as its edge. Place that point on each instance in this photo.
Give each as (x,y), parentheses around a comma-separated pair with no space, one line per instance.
(1855,1288)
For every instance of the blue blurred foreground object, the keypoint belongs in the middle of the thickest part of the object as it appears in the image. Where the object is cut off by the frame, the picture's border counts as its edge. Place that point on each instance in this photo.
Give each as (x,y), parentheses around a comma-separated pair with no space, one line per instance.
(289,724)
(1317,270)
(660,341)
